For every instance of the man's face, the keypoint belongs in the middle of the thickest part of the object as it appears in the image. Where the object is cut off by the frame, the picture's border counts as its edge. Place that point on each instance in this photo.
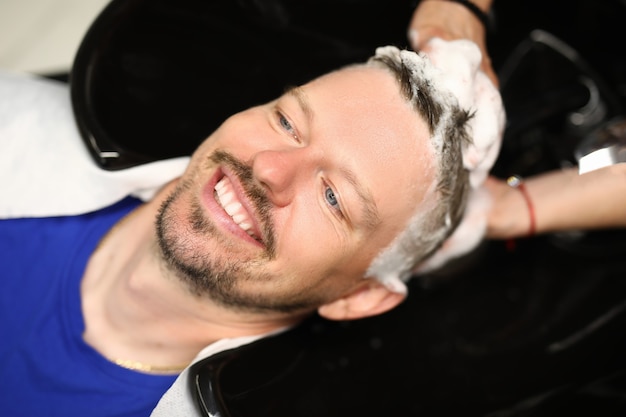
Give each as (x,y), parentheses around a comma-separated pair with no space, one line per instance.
(286,204)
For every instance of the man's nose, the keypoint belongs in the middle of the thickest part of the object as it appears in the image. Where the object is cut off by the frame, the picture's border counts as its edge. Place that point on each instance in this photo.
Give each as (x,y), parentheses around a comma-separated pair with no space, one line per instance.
(280,172)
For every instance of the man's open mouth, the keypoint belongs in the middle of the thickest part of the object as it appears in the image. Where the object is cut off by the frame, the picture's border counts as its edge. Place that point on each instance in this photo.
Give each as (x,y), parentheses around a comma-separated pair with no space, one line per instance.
(226,197)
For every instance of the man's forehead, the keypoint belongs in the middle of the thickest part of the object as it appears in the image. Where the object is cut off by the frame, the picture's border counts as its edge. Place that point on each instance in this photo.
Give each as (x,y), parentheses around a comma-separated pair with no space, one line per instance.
(349,72)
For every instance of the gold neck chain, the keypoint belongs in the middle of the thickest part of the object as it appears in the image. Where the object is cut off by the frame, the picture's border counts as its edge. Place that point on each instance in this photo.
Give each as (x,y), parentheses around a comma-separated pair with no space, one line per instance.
(145,367)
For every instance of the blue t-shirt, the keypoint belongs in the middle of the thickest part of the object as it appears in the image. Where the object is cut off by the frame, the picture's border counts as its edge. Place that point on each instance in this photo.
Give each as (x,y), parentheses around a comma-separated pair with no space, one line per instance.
(46,369)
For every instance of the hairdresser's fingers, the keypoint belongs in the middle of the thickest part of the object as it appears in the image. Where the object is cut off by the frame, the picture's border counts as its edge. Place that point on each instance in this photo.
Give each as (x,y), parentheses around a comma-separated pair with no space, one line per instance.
(449,21)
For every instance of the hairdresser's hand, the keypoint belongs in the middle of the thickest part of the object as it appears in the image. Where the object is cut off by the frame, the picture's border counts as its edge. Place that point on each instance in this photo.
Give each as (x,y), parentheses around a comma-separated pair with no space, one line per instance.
(449,20)
(559,200)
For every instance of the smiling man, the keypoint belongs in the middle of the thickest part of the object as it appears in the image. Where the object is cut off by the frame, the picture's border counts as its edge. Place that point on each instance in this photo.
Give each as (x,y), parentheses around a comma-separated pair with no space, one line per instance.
(285,206)
(323,200)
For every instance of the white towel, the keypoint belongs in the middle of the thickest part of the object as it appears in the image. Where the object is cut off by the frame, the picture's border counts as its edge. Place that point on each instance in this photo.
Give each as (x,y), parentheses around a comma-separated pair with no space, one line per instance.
(45,169)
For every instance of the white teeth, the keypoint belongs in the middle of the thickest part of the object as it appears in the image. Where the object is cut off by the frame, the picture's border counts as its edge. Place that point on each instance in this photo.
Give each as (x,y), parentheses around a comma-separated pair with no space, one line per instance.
(239,219)
(232,208)
(220,184)
(226,197)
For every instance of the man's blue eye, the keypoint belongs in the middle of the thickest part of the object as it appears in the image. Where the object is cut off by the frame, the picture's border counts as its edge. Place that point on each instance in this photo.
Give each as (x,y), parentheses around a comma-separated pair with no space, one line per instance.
(331,198)
(284,123)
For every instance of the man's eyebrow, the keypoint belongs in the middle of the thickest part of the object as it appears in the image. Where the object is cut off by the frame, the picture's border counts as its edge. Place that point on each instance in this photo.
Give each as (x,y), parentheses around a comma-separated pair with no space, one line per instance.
(302,99)
(371,218)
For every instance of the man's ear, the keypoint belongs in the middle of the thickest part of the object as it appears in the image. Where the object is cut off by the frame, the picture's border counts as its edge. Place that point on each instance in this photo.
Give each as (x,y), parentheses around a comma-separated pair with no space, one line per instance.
(370,299)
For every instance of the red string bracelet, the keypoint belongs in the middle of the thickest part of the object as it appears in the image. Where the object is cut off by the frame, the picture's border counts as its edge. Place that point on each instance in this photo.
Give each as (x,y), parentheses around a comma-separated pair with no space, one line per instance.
(517,182)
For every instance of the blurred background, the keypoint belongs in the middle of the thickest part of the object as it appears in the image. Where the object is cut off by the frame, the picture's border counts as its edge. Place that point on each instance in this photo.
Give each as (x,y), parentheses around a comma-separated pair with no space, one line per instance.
(42,36)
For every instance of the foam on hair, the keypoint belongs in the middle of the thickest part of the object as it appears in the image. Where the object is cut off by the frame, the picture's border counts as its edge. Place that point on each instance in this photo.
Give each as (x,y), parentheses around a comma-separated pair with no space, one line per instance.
(465,116)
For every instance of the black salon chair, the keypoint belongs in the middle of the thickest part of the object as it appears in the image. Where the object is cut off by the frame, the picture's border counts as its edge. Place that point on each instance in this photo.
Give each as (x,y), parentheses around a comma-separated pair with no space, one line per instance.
(531,330)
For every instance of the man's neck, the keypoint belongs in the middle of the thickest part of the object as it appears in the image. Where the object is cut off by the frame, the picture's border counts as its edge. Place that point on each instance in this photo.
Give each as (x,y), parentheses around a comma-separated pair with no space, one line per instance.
(135,309)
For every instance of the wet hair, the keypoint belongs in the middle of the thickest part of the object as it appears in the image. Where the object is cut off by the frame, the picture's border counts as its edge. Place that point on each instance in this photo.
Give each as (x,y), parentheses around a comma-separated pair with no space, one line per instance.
(442,209)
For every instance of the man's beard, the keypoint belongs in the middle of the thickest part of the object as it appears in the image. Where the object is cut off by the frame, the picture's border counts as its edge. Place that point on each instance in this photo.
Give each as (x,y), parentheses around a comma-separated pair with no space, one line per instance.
(220,277)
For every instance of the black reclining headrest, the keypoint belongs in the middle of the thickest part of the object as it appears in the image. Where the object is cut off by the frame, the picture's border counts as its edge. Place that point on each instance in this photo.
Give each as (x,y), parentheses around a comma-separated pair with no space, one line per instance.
(152,78)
